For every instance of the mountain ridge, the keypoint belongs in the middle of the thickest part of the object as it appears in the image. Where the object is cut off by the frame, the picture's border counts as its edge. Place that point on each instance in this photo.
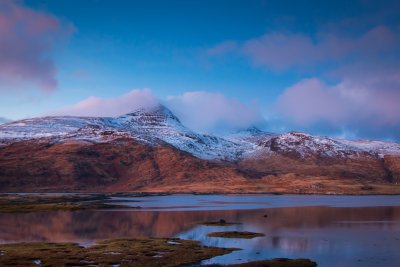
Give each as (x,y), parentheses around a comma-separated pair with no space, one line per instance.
(160,123)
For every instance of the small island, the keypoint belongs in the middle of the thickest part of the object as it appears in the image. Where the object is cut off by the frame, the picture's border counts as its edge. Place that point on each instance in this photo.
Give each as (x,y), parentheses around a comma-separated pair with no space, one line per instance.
(221,222)
(235,234)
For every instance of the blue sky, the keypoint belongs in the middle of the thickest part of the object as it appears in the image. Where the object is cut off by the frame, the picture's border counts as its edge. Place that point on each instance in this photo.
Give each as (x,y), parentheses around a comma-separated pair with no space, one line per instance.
(324,67)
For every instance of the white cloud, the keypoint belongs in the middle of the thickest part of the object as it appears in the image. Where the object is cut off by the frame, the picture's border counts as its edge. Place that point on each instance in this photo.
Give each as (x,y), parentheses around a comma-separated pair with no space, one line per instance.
(208,112)
(110,107)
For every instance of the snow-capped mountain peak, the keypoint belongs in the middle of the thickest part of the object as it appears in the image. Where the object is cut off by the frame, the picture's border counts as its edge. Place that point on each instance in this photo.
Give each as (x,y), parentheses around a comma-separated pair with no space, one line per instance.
(151,115)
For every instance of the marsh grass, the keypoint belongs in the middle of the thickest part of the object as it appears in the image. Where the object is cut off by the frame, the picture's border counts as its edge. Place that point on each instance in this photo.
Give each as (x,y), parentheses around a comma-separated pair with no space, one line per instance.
(45,202)
(125,252)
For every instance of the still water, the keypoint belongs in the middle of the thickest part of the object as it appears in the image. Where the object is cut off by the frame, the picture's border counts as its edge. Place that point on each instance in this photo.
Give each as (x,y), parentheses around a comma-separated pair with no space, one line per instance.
(331,230)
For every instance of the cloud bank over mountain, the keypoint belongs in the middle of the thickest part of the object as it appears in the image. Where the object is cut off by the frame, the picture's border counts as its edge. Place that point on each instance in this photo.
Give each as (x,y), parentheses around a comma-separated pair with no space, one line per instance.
(205,111)
(200,111)
(350,109)
(350,85)
(368,108)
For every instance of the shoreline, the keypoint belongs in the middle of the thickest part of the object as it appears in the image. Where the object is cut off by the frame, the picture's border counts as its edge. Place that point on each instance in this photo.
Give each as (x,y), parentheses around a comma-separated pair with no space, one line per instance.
(174,193)
(37,202)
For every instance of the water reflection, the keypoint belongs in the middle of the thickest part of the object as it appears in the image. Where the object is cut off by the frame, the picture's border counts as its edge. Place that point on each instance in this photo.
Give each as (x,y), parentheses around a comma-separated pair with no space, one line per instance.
(237,202)
(332,236)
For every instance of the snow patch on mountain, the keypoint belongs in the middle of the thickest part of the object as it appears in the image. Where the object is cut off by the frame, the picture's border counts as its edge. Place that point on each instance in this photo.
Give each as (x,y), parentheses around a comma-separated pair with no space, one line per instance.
(307,145)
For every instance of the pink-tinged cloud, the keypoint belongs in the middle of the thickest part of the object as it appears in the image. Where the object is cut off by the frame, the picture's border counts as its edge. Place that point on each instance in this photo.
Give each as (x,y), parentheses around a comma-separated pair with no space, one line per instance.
(27,38)
(222,48)
(370,104)
(310,101)
(209,112)
(110,107)
(280,51)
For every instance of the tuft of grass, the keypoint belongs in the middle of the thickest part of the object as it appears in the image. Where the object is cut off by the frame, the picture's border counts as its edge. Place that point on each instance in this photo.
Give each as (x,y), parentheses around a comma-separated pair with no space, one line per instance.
(125,252)
(235,234)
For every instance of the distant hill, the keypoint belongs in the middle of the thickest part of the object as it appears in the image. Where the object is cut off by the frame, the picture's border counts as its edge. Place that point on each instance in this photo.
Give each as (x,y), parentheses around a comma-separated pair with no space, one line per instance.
(4,120)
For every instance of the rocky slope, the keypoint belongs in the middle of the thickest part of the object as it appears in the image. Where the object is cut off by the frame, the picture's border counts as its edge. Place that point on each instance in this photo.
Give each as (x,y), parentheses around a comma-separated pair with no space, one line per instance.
(150,150)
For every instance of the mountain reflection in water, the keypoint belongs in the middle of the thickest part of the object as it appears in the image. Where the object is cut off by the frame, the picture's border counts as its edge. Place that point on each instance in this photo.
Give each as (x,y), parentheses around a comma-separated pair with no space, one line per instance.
(331,236)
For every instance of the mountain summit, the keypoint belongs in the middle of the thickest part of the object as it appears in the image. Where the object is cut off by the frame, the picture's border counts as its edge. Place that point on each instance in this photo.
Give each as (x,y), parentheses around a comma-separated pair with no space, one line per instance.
(152,115)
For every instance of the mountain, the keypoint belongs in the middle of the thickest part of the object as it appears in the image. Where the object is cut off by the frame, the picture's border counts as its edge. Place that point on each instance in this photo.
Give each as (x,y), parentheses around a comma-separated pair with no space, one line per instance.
(150,150)
(152,126)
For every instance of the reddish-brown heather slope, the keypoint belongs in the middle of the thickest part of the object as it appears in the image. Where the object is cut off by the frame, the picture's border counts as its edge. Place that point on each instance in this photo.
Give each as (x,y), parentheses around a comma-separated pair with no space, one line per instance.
(126,165)
(118,165)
